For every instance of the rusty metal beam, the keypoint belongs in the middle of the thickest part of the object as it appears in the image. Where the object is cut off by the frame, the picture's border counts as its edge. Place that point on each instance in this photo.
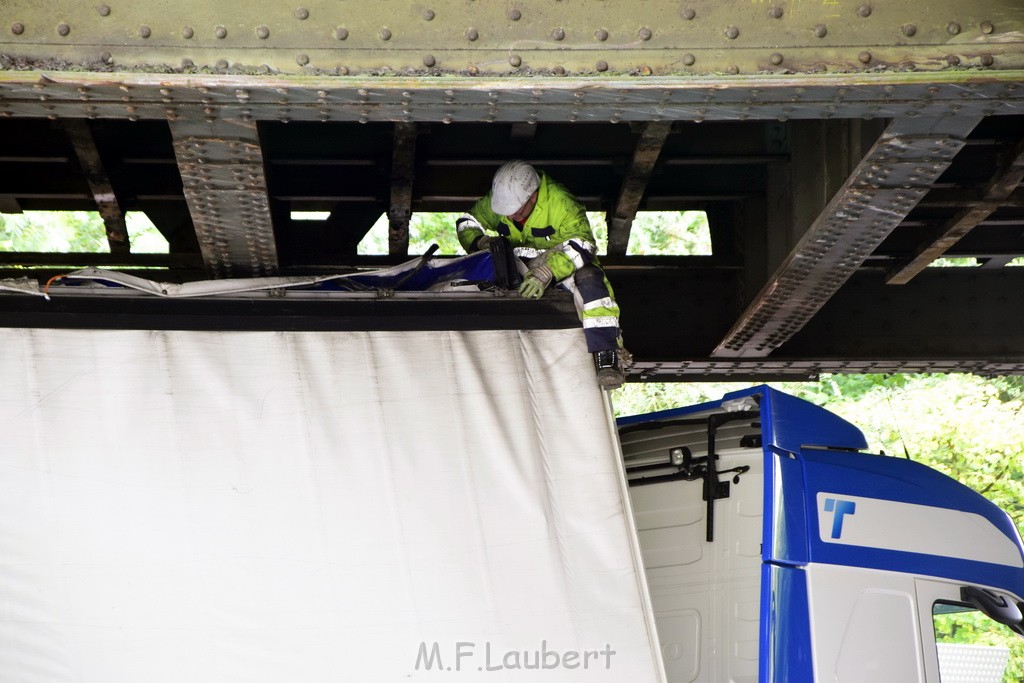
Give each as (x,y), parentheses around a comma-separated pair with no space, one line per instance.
(1003,184)
(403,159)
(221,165)
(88,154)
(645,156)
(887,184)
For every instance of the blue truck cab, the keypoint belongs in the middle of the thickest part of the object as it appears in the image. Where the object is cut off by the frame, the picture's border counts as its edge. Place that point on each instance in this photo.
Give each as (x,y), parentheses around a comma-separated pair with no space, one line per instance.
(776,549)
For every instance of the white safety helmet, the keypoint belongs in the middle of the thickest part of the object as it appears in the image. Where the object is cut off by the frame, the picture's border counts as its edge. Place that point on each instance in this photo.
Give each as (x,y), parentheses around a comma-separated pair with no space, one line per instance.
(513,184)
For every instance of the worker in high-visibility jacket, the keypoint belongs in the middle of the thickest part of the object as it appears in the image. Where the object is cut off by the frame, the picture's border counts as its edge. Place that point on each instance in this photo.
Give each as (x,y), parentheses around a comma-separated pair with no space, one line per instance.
(548,228)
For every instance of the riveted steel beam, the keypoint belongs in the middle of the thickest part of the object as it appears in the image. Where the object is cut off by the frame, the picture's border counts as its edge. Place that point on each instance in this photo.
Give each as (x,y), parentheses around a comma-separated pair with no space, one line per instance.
(103,194)
(221,165)
(887,184)
(1003,183)
(648,148)
(520,38)
(736,370)
(135,96)
(403,159)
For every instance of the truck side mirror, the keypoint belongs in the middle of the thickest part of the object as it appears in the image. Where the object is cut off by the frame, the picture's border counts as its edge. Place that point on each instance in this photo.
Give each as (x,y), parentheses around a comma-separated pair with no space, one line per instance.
(994,605)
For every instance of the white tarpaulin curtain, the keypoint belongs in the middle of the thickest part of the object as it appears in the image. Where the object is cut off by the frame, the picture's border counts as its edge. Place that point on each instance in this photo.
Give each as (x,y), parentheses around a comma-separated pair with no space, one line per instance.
(311,506)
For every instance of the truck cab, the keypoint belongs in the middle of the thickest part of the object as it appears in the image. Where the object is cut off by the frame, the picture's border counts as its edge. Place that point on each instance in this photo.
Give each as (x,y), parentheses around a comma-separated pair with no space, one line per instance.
(777,549)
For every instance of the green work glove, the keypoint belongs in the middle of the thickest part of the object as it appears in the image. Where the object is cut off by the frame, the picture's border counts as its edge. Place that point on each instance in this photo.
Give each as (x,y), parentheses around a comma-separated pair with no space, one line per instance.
(484,243)
(535,282)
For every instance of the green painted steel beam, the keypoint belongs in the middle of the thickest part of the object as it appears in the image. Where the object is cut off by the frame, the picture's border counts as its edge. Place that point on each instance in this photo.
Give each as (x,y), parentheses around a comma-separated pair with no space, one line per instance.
(134,96)
(519,38)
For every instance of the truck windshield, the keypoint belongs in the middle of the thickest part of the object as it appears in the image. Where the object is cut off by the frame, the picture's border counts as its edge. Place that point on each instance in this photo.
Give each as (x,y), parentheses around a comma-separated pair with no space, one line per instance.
(974,647)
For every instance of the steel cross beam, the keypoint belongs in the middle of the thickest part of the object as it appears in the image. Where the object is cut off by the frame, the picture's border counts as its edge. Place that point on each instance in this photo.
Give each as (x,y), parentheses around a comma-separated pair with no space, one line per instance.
(999,188)
(884,187)
(648,148)
(88,155)
(403,158)
(221,165)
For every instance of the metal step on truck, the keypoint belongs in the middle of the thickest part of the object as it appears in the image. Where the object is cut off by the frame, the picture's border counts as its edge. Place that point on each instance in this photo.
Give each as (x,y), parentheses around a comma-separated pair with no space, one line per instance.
(333,479)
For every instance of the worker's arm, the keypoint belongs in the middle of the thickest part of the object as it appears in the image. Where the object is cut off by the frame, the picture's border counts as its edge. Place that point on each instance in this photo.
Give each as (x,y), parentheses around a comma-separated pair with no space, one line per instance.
(470,227)
(577,247)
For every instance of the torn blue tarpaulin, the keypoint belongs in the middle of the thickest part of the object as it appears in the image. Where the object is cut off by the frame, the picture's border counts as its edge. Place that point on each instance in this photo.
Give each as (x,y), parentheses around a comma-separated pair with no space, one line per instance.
(419,275)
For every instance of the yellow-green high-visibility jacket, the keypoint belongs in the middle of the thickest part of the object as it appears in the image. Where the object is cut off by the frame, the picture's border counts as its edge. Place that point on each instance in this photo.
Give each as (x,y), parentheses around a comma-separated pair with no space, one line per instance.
(558,225)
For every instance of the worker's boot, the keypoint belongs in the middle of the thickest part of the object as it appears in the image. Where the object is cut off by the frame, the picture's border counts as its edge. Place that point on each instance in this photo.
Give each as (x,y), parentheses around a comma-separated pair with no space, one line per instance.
(610,373)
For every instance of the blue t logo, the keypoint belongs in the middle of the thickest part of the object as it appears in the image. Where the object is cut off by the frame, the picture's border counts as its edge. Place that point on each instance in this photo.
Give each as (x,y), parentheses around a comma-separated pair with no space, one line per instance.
(841,508)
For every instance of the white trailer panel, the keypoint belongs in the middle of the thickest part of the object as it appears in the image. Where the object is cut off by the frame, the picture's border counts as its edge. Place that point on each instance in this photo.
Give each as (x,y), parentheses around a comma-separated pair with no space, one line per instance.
(313,506)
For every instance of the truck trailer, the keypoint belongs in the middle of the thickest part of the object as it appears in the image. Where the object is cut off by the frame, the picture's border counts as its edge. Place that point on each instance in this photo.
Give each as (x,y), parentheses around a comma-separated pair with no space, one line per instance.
(333,493)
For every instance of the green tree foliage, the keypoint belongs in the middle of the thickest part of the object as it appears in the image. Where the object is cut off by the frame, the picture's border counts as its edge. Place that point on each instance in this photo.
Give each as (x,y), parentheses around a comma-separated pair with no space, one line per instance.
(44,231)
(74,232)
(670,233)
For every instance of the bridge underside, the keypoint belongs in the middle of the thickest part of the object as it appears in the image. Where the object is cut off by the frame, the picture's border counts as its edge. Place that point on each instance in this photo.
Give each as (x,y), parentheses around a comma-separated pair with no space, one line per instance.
(833,175)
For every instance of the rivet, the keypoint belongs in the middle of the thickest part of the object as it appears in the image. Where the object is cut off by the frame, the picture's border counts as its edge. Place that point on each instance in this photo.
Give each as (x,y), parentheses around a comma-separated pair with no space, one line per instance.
(775,12)
(17,28)
(187,63)
(428,60)
(145,31)
(302,13)
(343,70)
(732,32)
(602,65)
(646,71)
(222,64)
(515,15)
(953,60)
(472,34)
(689,14)
(341,33)
(601,34)
(220,32)
(689,59)
(559,70)
(262,32)
(645,33)
(187,32)
(558,34)
(104,10)
(987,27)
(775,58)
(820,30)
(64,29)
(909,30)
(864,57)
(953,28)
(864,10)
(515,60)
(385,34)
(428,14)
(987,60)
(302,59)
(733,70)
